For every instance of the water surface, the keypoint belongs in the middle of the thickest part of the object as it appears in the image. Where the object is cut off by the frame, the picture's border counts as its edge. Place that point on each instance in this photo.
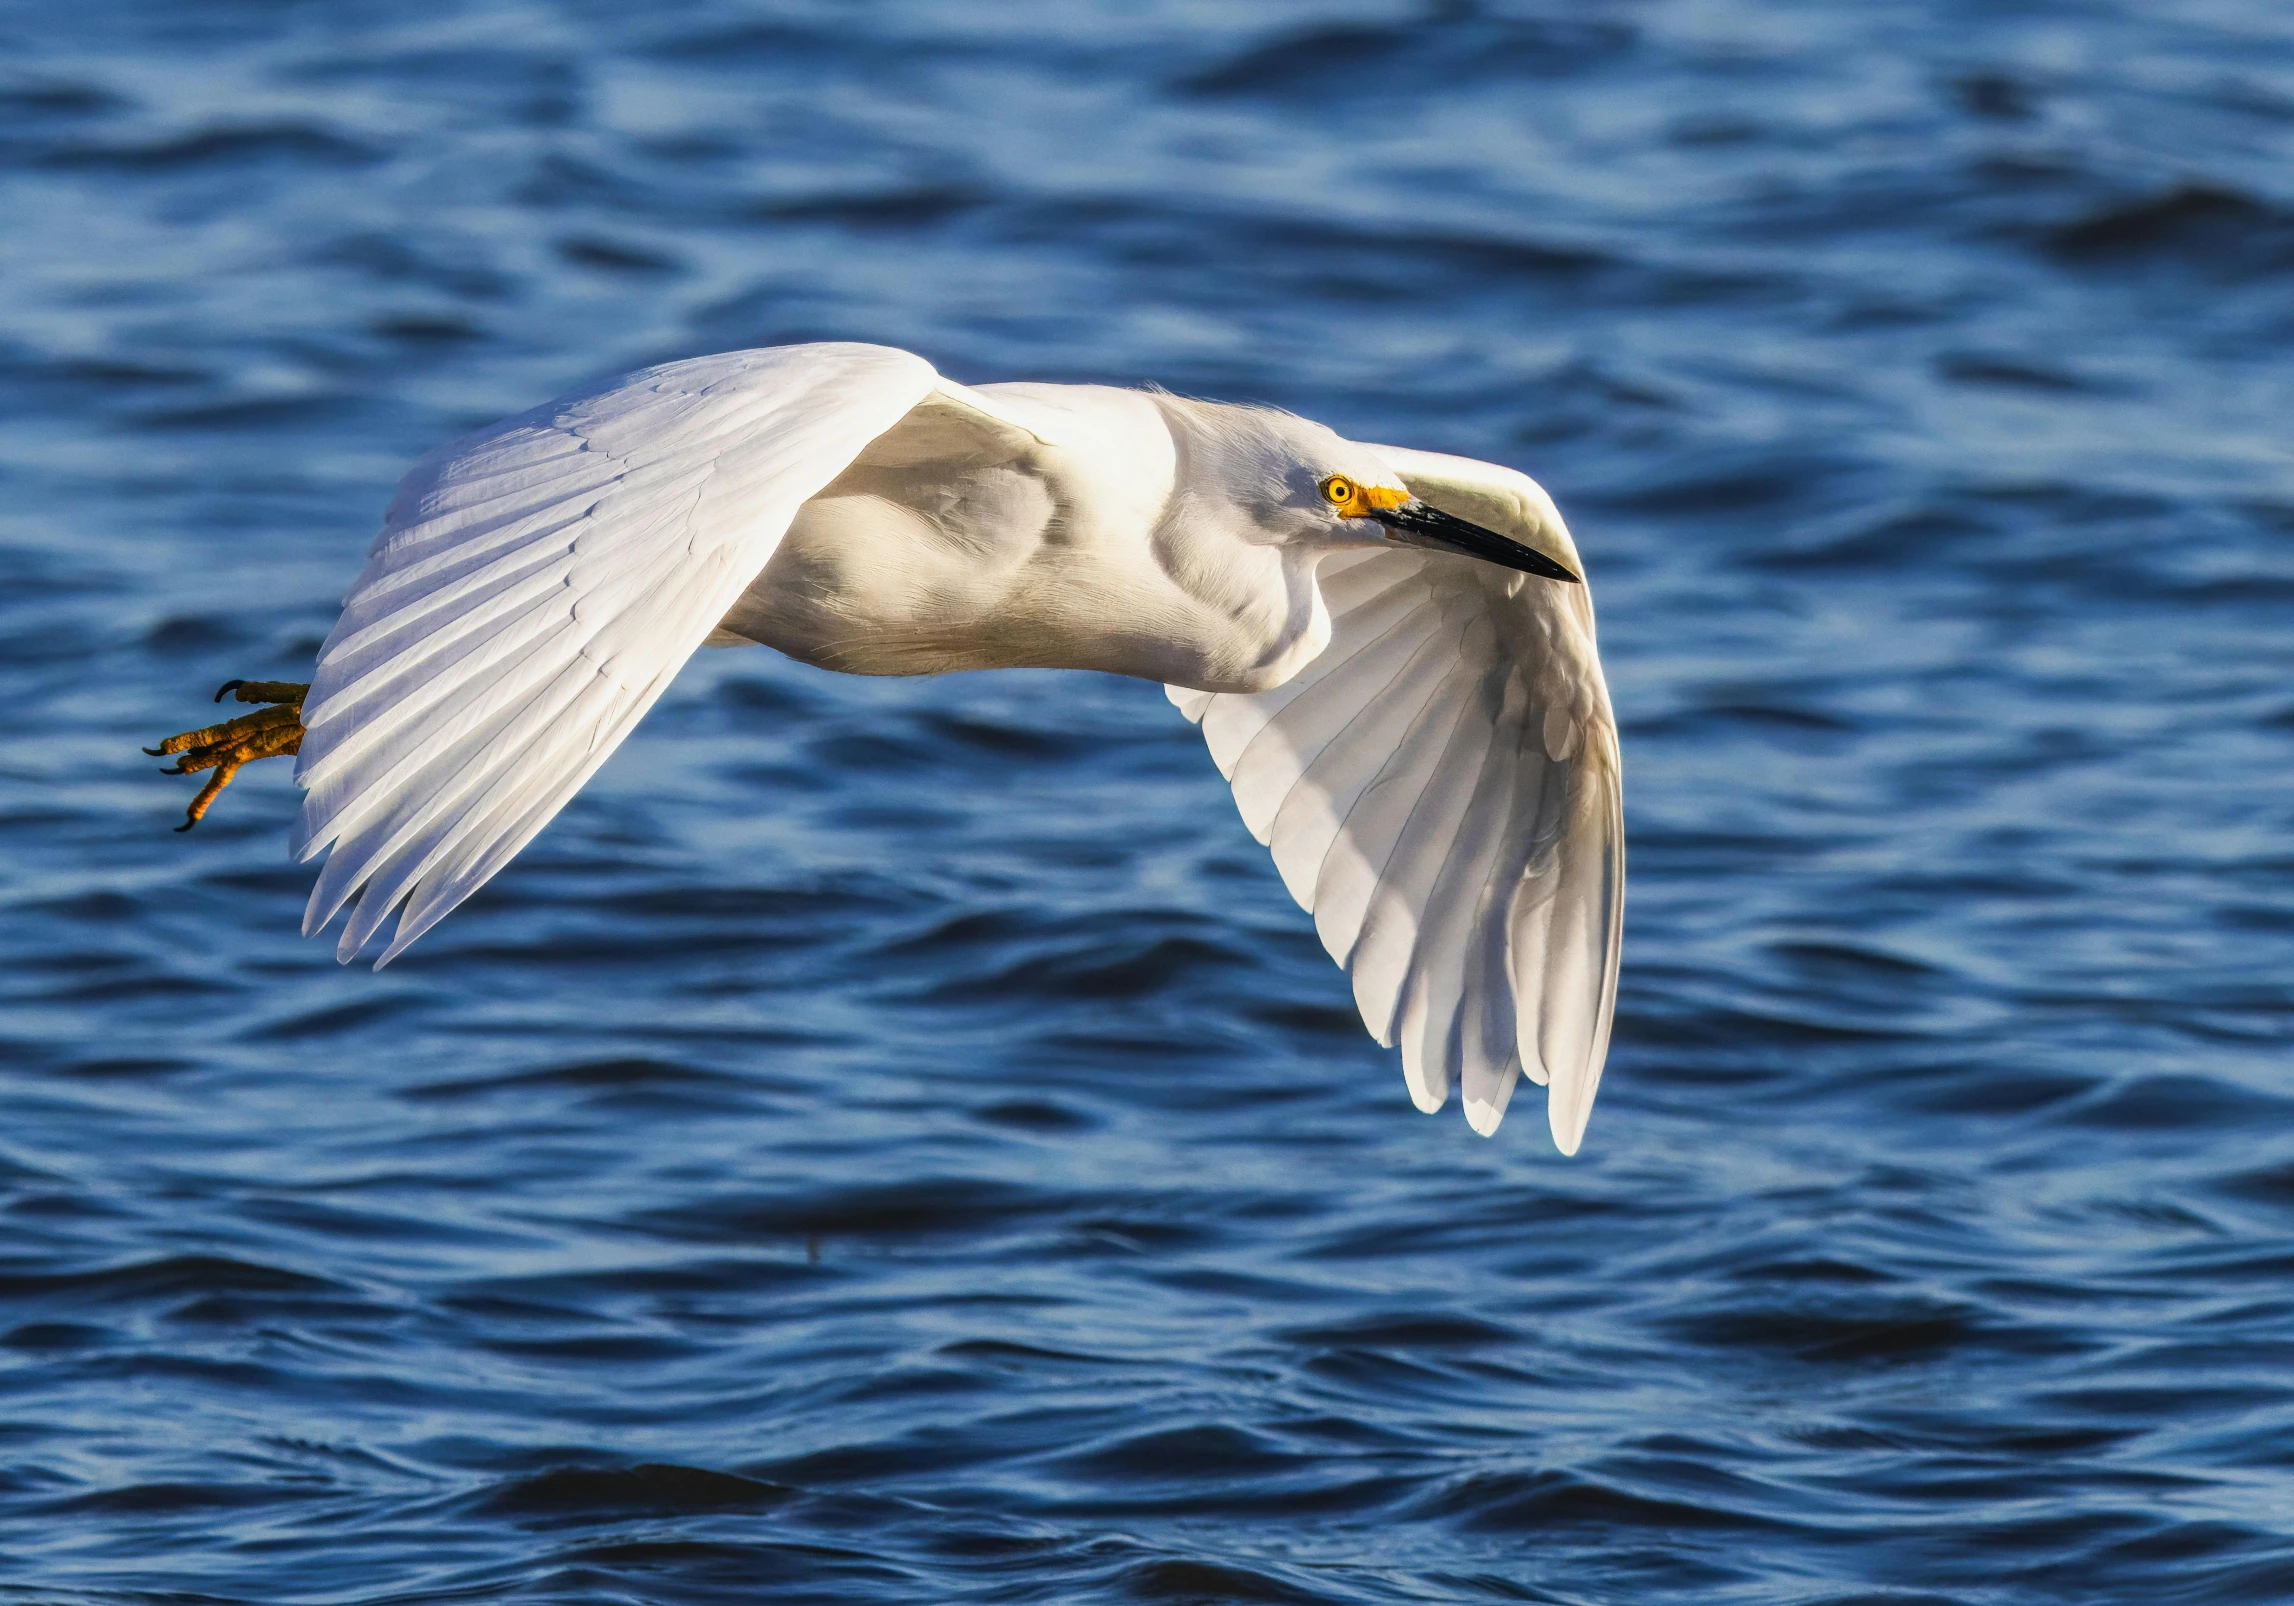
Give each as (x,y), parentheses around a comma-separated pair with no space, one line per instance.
(896,1141)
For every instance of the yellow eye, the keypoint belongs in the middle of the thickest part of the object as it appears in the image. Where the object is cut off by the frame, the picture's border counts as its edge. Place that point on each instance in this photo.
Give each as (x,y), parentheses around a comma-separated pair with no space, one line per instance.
(1339,489)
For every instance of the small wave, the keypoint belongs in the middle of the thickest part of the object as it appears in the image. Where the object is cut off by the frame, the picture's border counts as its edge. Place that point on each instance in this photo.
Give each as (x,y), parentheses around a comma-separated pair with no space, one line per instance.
(146,1499)
(1035,1115)
(1327,59)
(1547,1501)
(38,1336)
(1214,1451)
(615,256)
(418,257)
(2206,227)
(299,144)
(649,1489)
(167,1277)
(610,1076)
(1170,1581)
(2163,1103)
(1413,1330)
(911,207)
(1887,1329)
(33,100)
(335,1020)
(2012,373)
(251,413)
(916,1207)
(1120,954)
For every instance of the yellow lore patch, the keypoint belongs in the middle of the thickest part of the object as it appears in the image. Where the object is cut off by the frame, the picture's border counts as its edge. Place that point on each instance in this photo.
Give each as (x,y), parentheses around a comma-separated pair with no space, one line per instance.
(1356,501)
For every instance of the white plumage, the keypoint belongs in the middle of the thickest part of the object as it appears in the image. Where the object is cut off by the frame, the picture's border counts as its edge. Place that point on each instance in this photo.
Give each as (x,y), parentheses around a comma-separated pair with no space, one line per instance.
(1385,649)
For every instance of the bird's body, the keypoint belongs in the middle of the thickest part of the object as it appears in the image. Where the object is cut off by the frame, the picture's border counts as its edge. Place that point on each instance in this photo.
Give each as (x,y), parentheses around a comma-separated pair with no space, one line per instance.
(1385,648)
(1078,550)
(958,562)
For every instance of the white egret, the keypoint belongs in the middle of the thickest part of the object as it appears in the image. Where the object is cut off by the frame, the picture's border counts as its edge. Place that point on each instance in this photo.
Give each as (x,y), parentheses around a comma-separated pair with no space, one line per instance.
(1389,652)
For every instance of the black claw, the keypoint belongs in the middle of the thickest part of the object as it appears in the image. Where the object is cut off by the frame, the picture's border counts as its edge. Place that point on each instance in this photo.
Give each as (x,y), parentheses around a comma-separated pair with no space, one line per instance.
(185,826)
(226,689)
(156,752)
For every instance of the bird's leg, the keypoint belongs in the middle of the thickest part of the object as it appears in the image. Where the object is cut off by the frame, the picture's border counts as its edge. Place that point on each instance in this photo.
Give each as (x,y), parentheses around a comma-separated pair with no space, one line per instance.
(268,733)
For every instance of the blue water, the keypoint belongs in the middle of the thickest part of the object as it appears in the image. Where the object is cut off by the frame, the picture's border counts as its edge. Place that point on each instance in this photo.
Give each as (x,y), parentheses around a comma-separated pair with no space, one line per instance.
(896,1141)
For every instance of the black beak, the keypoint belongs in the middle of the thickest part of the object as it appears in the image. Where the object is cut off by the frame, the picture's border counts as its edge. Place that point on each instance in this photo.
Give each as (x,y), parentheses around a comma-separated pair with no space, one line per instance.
(1415,523)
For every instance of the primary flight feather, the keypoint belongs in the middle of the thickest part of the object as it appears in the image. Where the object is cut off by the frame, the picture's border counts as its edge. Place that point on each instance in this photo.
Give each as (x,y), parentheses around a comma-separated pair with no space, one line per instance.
(1390,653)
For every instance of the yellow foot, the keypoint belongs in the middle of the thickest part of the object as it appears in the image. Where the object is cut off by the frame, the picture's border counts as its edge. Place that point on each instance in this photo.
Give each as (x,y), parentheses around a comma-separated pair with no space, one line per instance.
(270,733)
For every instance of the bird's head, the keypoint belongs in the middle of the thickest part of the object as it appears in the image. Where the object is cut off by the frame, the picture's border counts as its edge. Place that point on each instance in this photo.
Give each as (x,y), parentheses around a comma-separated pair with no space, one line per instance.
(1371,511)
(1306,486)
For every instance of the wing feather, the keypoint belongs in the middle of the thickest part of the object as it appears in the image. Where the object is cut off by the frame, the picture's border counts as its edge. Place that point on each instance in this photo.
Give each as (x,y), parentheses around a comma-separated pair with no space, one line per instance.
(1286,746)
(1420,714)
(1433,775)
(1440,788)
(1456,1008)
(1325,792)
(1189,702)
(1401,739)
(534,590)
(1369,612)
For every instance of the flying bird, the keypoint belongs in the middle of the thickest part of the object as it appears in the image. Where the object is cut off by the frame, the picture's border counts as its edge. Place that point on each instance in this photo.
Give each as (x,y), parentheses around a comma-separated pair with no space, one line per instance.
(1390,653)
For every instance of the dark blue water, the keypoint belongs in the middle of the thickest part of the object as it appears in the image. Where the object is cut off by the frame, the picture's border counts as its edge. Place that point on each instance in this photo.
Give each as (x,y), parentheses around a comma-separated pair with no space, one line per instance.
(896,1141)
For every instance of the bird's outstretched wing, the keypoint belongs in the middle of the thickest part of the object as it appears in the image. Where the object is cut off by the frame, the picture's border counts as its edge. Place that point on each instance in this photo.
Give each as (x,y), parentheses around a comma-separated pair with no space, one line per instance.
(536,586)
(1441,791)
